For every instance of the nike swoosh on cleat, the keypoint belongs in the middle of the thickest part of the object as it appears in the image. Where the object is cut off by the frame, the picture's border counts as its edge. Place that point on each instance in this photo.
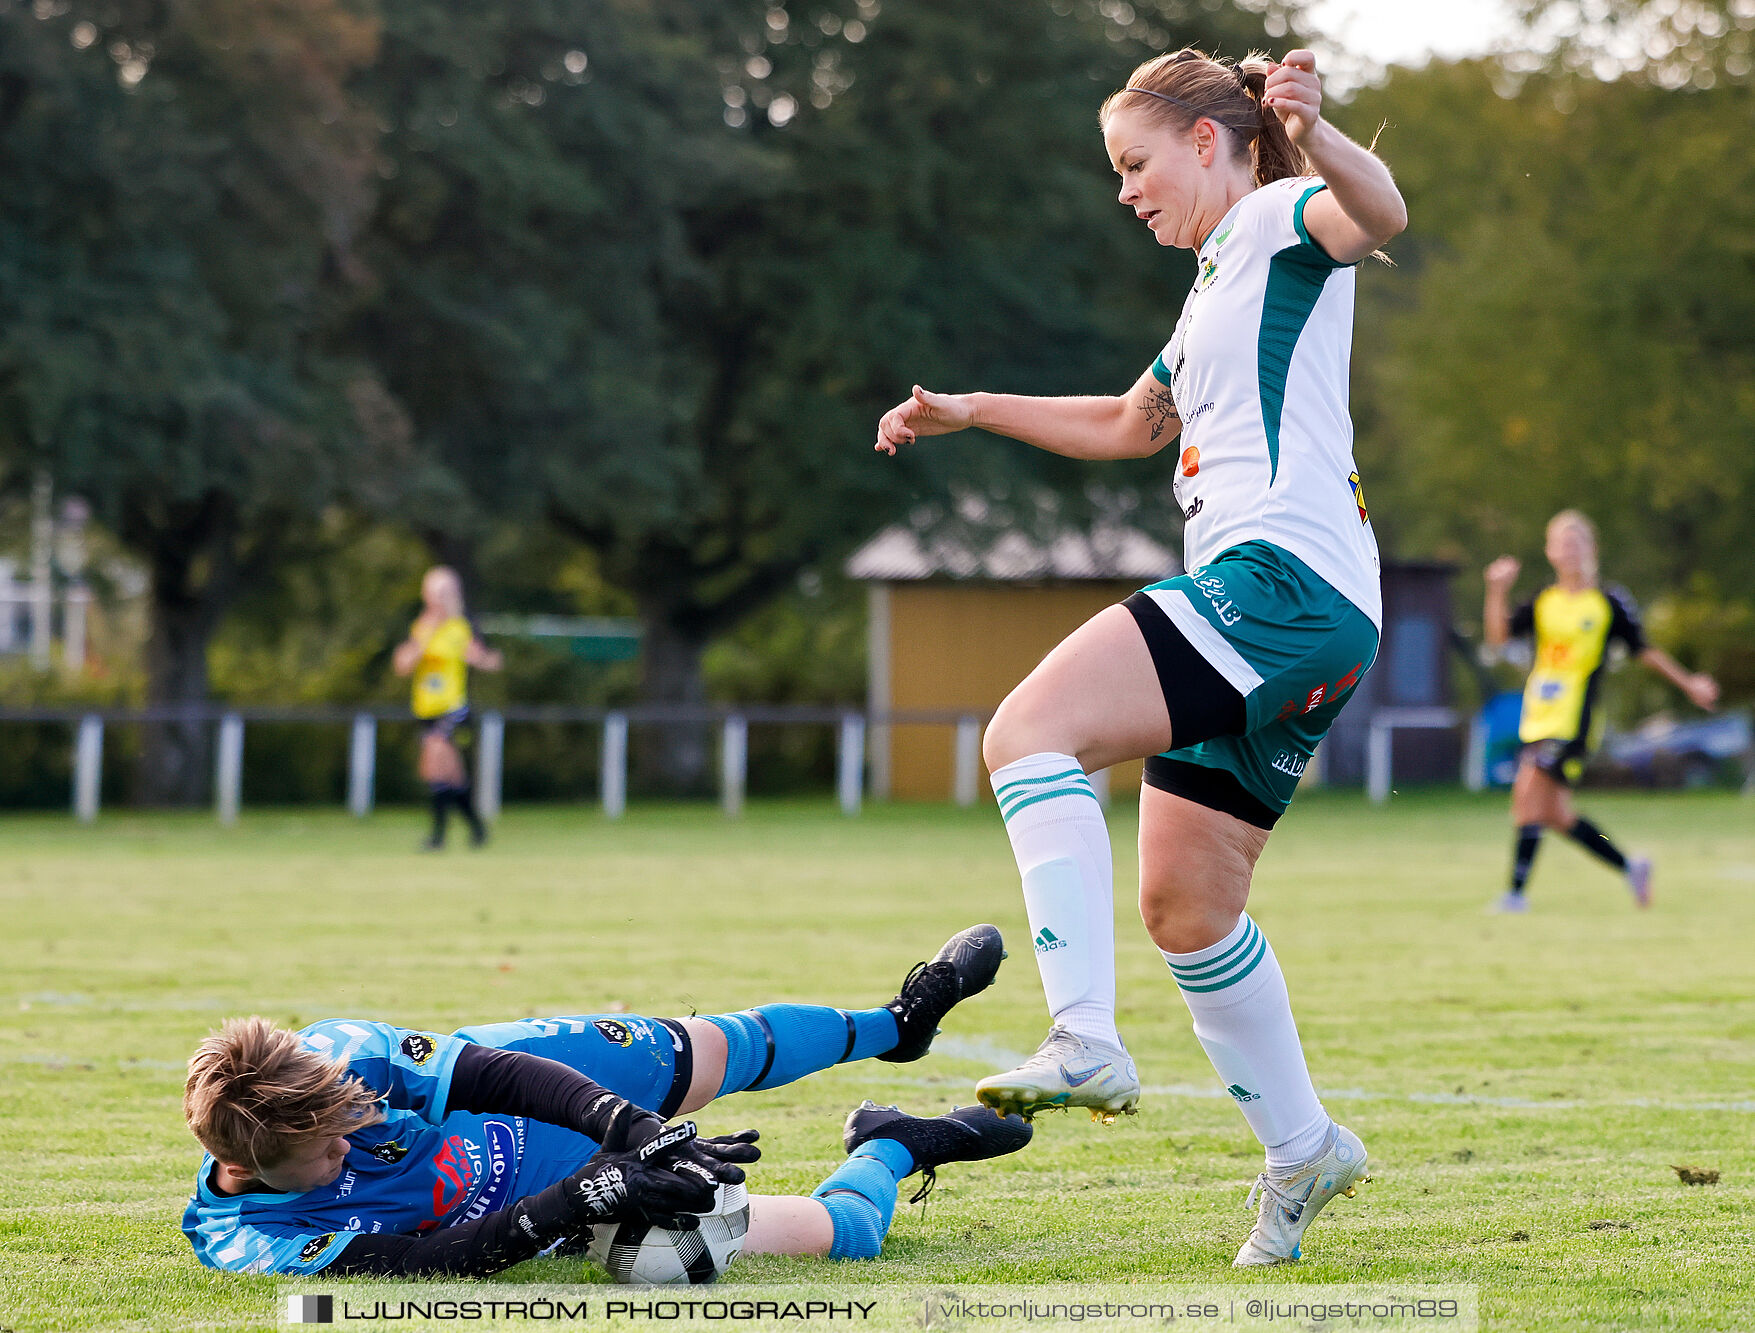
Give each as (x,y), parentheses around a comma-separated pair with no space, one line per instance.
(1082,1076)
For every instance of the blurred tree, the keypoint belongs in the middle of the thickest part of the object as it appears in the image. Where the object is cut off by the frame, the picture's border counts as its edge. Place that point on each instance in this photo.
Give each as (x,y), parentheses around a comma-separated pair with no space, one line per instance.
(535,158)
(651,269)
(648,268)
(538,160)
(923,195)
(1574,323)
(184,181)
(1668,43)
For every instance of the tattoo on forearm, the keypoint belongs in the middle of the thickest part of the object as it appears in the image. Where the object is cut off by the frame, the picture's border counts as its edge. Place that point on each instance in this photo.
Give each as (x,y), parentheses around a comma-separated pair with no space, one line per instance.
(1160,410)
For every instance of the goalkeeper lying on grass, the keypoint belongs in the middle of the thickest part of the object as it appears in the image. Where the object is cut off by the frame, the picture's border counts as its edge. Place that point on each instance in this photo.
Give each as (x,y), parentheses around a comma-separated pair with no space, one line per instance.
(353,1147)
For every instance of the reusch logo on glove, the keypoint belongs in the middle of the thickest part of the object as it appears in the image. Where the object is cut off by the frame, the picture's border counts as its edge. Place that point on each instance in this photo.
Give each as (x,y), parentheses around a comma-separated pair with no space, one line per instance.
(676,1134)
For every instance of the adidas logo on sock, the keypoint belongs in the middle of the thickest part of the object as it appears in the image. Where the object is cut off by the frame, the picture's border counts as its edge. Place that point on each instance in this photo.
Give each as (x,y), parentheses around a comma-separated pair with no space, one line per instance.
(1046,939)
(1243,1094)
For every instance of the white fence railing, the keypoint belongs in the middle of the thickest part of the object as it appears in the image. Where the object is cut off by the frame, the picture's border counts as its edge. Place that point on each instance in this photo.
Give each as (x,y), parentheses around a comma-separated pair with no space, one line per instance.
(1380,742)
(851,730)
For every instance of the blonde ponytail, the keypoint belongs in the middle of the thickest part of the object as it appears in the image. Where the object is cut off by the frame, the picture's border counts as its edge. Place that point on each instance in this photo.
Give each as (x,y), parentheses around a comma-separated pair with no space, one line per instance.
(1274,155)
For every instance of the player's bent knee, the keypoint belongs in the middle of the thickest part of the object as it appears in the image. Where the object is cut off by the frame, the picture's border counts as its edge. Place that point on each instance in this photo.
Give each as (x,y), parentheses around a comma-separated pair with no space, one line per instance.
(1019,730)
(1004,741)
(1189,908)
(439,762)
(1184,928)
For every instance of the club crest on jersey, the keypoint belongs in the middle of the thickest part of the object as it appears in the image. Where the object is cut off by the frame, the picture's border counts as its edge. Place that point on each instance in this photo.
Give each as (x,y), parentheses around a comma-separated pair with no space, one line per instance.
(1209,269)
(388,1153)
(314,1247)
(1358,496)
(616,1034)
(418,1048)
(1190,461)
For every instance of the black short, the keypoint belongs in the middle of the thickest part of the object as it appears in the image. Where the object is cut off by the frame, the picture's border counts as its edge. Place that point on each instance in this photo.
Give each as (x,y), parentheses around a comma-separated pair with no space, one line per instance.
(1212,787)
(1561,760)
(445,724)
(1202,705)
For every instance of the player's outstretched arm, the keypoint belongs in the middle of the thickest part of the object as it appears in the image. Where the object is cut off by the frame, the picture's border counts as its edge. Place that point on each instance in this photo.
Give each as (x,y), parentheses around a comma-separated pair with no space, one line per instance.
(469,1249)
(406,657)
(658,1184)
(1361,209)
(1701,689)
(486,1081)
(1496,615)
(482,657)
(1134,425)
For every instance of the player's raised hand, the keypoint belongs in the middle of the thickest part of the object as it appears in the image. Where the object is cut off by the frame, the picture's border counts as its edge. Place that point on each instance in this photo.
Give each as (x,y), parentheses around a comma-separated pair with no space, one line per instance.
(1295,93)
(923,413)
(1503,572)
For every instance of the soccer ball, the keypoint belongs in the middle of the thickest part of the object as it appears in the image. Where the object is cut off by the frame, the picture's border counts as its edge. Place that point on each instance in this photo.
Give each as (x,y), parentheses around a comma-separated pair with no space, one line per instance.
(636,1253)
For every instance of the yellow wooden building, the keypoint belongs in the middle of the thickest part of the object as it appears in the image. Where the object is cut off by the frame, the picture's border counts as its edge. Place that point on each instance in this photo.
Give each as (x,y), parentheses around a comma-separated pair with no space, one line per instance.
(959,613)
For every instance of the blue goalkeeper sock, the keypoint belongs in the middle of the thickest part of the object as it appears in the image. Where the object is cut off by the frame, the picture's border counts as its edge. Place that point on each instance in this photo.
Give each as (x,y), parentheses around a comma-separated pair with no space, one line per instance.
(861,1197)
(780,1043)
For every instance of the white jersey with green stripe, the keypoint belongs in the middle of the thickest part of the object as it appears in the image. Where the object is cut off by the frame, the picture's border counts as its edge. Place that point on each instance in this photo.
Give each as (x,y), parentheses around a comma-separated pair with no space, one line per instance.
(1259,368)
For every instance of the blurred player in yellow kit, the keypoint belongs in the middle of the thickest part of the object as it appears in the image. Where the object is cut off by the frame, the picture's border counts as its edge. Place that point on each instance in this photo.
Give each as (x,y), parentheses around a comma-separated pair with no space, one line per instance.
(1572,621)
(440,648)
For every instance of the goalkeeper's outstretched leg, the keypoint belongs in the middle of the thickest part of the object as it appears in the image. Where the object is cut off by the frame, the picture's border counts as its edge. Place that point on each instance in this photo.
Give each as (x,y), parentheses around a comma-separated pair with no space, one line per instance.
(356,1147)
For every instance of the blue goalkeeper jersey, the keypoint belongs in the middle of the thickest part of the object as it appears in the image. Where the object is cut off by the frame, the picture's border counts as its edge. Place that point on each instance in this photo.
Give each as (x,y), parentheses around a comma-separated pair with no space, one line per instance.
(419,1168)
(416,1170)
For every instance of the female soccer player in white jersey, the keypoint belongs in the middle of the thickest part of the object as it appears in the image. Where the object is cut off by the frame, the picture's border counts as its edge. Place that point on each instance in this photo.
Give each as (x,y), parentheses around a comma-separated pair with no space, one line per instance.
(1229,675)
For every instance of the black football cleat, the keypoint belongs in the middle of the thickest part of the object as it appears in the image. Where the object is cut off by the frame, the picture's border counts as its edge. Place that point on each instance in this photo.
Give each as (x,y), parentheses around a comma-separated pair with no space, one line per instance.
(967,1134)
(964,967)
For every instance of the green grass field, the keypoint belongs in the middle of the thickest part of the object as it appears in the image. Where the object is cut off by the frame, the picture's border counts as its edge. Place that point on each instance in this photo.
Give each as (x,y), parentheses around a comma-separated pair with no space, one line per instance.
(1525,1085)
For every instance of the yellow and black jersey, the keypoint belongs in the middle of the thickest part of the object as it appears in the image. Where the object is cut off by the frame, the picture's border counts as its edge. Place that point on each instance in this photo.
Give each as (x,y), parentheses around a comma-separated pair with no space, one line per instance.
(1572,634)
(441,674)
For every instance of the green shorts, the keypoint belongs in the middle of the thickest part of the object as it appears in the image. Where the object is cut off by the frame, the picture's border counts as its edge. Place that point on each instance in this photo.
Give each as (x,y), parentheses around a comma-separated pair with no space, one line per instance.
(1257,656)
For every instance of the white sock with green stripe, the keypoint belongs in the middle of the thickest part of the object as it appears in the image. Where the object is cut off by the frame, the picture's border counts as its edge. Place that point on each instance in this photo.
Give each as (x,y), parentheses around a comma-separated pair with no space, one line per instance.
(1243,1017)
(1062,846)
